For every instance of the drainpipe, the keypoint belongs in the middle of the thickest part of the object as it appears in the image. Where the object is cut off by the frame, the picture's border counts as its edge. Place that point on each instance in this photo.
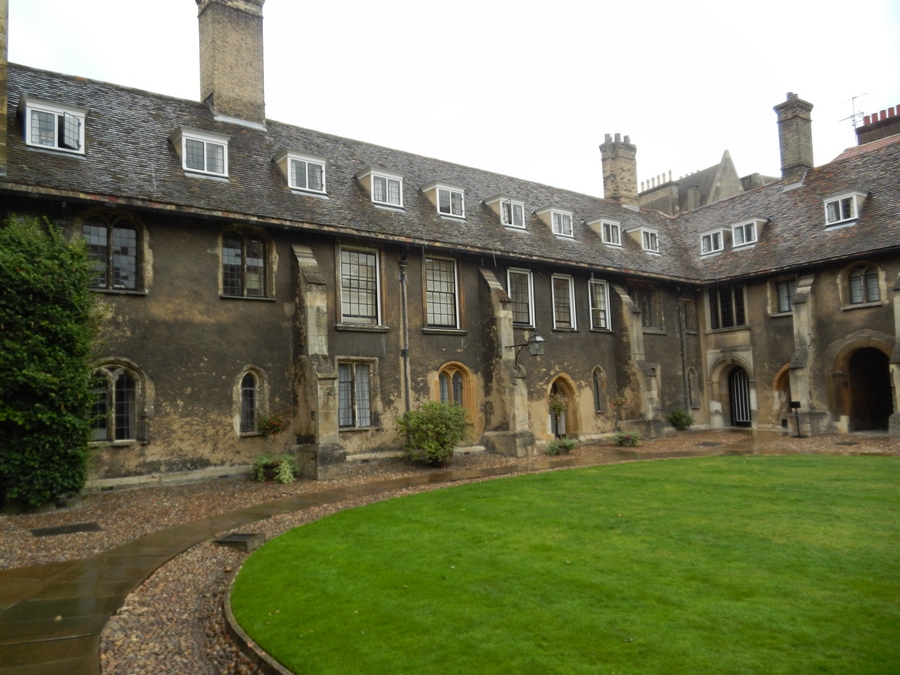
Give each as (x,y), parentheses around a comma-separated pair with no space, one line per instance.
(404,330)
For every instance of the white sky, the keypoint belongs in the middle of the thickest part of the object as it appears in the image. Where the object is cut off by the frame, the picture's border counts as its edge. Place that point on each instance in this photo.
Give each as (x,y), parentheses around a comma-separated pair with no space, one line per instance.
(519,87)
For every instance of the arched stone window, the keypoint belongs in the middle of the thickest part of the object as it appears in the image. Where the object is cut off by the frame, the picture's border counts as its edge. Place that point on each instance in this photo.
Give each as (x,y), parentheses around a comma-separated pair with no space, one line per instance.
(453,385)
(118,412)
(244,265)
(250,400)
(249,403)
(864,286)
(598,382)
(693,389)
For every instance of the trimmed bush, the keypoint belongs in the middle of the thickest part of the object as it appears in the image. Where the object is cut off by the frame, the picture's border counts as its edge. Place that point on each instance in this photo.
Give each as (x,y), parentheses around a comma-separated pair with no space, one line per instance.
(47,326)
(434,430)
(680,419)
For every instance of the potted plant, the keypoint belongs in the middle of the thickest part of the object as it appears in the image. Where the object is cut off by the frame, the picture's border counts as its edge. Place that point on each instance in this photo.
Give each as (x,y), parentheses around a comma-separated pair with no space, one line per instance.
(561,445)
(275,423)
(558,405)
(433,430)
(629,438)
(281,468)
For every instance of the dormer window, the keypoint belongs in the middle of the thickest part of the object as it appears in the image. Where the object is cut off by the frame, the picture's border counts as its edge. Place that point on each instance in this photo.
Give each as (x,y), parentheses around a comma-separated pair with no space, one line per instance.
(710,243)
(843,208)
(201,151)
(384,187)
(560,221)
(52,125)
(448,199)
(744,234)
(303,172)
(609,230)
(511,211)
(650,241)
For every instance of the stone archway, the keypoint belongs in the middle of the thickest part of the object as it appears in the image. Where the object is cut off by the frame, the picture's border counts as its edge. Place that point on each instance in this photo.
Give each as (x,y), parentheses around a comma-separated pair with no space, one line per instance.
(567,423)
(869,384)
(732,392)
(781,401)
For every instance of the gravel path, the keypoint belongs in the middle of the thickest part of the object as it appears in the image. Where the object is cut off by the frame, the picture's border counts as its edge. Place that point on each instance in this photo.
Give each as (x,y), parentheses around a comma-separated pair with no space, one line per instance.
(173,622)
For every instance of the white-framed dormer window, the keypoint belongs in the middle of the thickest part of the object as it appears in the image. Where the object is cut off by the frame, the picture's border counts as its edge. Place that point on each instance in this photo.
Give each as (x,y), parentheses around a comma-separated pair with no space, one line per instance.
(563,287)
(843,209)
(612,233)
(650,241)
(558,220)
(385,187)
(303,172)
(710,243)
(744,234)
(511,211)
(448,199)
(201,151)
(562,224)
(53,126)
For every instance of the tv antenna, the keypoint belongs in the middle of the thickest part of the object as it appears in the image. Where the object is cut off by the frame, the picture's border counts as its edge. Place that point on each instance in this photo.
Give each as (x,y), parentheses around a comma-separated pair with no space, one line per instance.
(855,117)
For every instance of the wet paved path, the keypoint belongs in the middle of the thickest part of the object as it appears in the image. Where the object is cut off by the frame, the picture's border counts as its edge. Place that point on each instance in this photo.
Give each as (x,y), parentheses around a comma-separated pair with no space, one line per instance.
(51,616)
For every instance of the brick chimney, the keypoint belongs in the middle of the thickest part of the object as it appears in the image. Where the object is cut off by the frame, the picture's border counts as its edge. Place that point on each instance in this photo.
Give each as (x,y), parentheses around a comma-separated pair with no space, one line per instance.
(231,59)
(4,82)
(795,138)
(878,126)
(619,170)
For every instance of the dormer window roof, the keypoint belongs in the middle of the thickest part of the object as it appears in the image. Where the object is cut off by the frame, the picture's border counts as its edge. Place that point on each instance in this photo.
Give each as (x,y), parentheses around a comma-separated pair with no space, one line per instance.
(843,208)
(746,233)
(450,200)
(53,126)
(558,220)
(610,231)
(201,152)
(510,210)
(384,187)
(303,172)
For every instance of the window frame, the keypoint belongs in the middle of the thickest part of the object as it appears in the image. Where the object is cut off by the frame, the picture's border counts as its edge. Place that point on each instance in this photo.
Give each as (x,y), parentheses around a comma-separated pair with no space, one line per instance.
(111,223)
(791,286)
(182,135)
(647,297)
(247,422)
(508,219)
(345,318)
(570,292)
(607,324)
(650,241)
(110,374)
(712,242)
(387,178)
(599,390)
(510,272)
(464,397)
(607,228)
(30,104)
(738,307)
(245,237)
(442,190)
(428,292)
(354,365)
(743,229)
(308,160)
(865,272)
(558,220)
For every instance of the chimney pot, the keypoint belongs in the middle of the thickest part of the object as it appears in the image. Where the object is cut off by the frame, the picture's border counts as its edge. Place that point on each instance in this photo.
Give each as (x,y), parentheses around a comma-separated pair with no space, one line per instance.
(866,119)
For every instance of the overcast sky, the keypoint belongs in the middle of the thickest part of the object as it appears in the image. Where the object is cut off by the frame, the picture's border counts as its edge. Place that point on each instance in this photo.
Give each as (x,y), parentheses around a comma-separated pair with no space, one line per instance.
(519,87)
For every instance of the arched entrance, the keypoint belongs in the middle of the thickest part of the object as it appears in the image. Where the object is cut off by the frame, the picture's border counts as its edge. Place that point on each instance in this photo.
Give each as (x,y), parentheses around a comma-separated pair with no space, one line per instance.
(781,388)
(739,396)
(868,376)
(566,422)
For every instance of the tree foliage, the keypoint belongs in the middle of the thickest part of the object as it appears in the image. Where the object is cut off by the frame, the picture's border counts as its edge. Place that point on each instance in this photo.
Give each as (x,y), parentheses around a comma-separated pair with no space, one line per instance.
(47,326)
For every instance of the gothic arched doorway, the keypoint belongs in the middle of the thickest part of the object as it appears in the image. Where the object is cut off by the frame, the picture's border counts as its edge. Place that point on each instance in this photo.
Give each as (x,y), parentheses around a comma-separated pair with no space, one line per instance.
(739,395)
(868,376)
(565,423)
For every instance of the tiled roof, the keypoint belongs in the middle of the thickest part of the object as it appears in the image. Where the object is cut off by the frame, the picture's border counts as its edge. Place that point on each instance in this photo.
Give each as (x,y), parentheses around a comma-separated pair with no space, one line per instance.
(130,159)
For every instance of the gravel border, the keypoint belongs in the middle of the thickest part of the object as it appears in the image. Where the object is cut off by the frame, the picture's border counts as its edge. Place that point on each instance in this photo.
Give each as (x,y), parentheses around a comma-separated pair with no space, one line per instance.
(174,623)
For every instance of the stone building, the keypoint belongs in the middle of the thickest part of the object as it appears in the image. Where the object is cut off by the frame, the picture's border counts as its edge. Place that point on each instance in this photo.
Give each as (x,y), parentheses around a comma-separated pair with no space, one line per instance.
(248,267)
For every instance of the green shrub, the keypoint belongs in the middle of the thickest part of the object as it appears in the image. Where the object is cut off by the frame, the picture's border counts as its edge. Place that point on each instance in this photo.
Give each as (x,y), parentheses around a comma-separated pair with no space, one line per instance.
(433,430)
(281,468)
(558,445)
(48,321)
(627,438)
(680,419)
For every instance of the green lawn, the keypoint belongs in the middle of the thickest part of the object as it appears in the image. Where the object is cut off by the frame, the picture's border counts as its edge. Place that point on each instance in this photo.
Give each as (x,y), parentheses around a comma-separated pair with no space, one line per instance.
(720,565)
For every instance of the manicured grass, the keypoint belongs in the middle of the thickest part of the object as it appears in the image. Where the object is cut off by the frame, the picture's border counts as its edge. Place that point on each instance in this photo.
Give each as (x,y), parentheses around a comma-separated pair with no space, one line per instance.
(720,565)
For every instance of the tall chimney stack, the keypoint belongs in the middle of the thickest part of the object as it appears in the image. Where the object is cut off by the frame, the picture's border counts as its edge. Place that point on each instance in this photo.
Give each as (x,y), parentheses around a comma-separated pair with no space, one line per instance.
(231,59)
(619,170)
(795,138)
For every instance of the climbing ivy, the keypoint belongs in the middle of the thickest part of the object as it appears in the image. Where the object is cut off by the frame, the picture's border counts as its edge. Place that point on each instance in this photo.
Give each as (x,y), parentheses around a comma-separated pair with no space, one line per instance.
(47,325)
